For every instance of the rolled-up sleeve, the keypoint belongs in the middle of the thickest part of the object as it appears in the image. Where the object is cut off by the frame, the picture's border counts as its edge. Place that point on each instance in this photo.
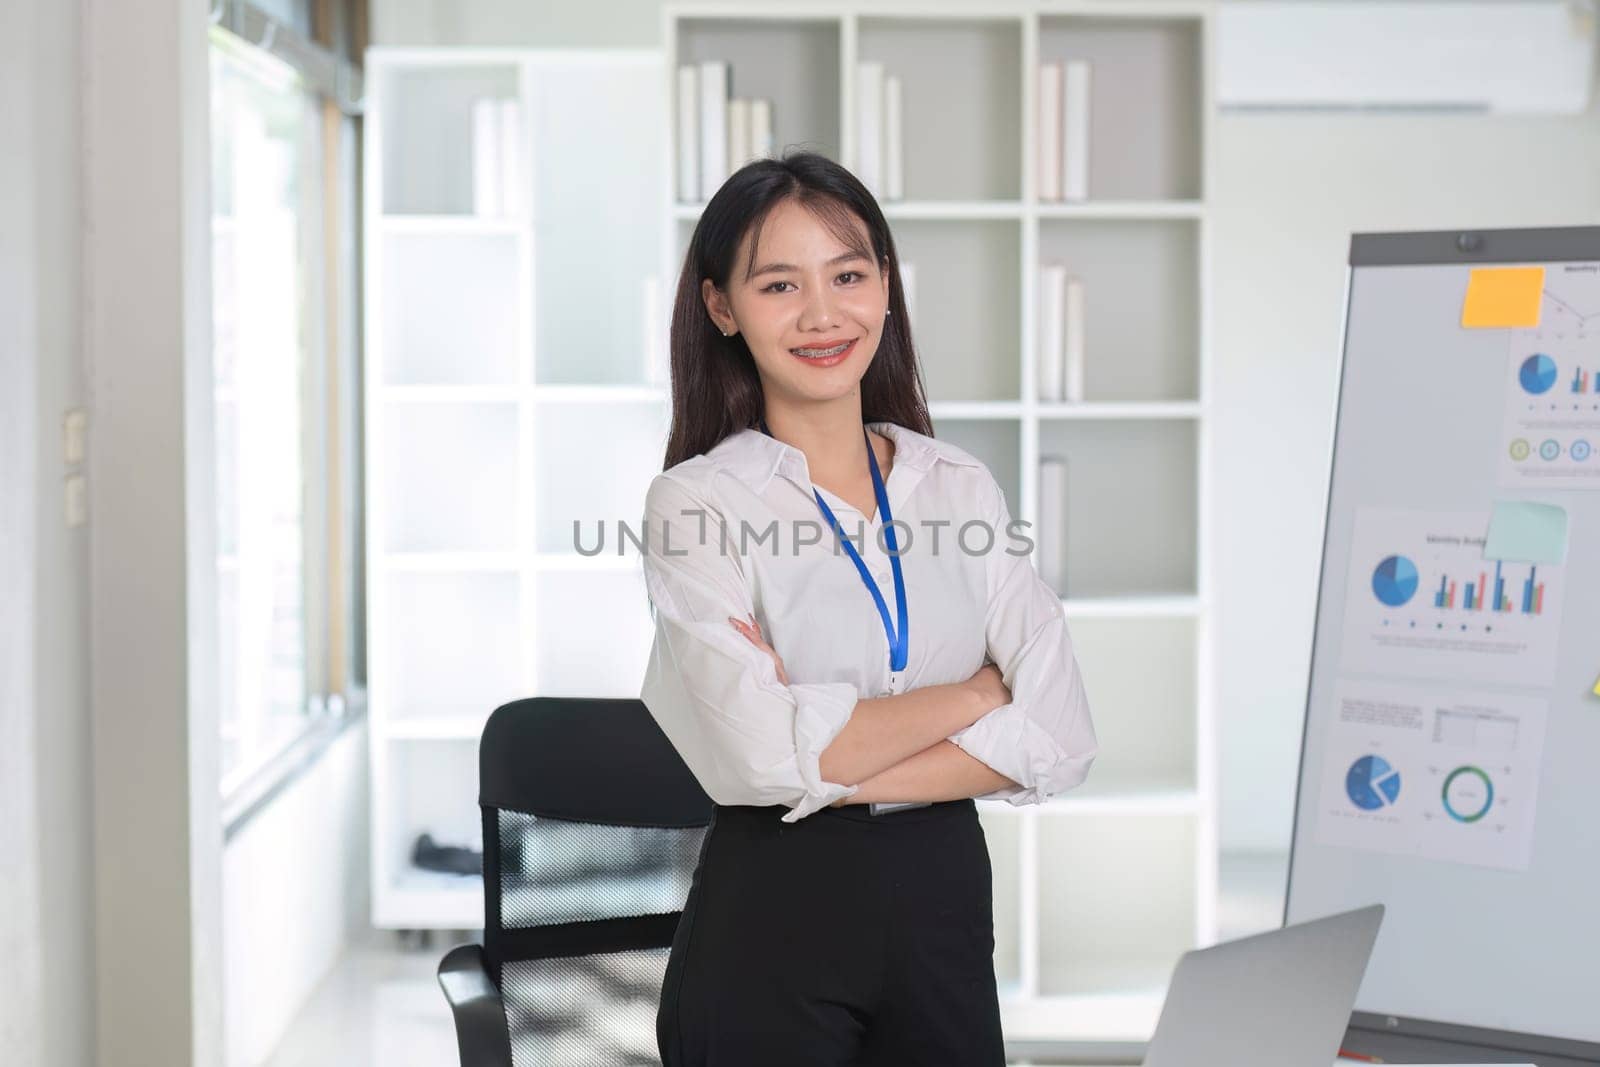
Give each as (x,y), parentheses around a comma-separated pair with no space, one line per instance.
(1044,739)
(747,737)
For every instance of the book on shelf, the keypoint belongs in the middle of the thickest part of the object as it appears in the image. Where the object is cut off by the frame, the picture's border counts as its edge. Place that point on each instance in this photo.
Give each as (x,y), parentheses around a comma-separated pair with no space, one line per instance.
(713,127)
(1061,334)
(738,132)
(1049,131)
(1075,130)
(749,131)
(880,158)
(894,168)
(1052,526)
(496,156)
(1063,117)
(760,128)
(511,170)
(1073,342)
(717,134)
(869,125)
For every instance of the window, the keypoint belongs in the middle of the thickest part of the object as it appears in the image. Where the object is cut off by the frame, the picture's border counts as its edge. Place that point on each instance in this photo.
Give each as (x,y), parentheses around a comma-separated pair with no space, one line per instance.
(284,358)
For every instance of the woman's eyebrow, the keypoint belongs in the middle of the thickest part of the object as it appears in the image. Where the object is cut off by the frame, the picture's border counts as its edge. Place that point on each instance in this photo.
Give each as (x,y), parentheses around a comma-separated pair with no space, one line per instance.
(774,268)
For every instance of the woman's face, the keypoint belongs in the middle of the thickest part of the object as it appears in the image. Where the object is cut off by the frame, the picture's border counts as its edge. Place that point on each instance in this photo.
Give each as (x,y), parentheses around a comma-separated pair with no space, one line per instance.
(808,292)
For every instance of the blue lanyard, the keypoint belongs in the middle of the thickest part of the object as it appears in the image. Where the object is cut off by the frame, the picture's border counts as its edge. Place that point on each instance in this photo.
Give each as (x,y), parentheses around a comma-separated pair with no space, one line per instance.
(897,640)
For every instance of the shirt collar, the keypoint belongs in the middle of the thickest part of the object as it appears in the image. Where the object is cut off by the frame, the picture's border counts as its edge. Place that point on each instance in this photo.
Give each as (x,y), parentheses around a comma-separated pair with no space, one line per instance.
(753,457)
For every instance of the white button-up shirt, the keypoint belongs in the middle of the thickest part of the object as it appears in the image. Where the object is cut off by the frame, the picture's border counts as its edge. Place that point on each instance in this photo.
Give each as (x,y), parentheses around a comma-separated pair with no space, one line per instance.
(736,531)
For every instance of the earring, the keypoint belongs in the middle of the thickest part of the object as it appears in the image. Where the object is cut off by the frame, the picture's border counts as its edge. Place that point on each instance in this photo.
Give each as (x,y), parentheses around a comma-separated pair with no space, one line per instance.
(886,314)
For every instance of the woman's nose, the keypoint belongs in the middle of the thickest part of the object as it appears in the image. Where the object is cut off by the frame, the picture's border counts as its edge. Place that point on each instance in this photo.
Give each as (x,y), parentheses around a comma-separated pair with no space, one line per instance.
(819,311)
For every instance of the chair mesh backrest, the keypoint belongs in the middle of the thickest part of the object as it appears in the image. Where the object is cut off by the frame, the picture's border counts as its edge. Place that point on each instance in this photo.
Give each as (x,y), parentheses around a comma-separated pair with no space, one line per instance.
(584,885)
(597,1009)
(560,871)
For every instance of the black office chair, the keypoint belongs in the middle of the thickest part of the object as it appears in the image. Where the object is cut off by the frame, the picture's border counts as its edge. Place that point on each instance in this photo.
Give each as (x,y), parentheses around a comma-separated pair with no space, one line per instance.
(592,827)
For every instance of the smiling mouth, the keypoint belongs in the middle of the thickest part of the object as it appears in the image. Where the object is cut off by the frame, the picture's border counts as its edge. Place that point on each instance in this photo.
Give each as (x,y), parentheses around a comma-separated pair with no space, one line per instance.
(824,353)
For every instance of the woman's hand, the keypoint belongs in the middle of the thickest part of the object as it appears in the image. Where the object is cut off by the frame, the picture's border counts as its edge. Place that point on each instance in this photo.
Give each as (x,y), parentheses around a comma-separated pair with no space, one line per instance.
(752,630)
(990,686)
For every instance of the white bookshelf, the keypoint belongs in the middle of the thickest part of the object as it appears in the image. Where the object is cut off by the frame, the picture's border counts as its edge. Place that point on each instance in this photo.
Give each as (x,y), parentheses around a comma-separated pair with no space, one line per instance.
(1098,892)
(505,373)
(477,425)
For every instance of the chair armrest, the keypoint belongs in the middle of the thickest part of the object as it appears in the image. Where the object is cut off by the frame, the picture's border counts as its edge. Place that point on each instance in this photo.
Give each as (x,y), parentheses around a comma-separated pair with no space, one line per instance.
(481,1031)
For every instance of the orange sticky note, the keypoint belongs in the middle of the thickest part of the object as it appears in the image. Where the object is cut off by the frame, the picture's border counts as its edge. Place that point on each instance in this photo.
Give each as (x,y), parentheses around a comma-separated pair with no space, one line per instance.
(1503,297)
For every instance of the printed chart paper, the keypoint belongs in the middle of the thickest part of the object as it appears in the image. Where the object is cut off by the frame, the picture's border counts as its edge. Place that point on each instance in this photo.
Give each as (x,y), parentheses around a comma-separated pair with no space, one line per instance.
(1440,773)
(1422,601)
(1552,423)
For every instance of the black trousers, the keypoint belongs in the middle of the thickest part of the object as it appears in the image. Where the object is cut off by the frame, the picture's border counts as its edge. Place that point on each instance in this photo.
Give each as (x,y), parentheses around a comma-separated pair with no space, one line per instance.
(845,938)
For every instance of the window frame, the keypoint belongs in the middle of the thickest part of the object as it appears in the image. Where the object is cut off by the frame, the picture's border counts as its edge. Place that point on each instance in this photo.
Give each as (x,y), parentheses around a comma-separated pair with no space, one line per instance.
(333,592)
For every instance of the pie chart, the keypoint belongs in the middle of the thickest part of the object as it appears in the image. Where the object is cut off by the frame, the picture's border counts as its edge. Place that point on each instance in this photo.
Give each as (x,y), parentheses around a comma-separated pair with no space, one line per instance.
(1372,783)
(1395,581)
(1468,794)
(1538,373)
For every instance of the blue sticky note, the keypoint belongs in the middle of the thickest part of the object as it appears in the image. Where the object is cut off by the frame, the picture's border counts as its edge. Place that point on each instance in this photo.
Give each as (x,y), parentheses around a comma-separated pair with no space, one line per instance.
(1522,531)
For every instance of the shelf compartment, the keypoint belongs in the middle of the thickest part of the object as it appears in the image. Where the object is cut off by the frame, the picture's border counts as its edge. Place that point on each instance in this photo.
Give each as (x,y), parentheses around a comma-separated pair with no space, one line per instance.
(449,477)
(450,308)
(1116,902)
(594,633)
(1132,506)
(597,227)
(792,62)
(1141,678)
(427,133)
(967,319)
(1141,295)
(432,787)
(997,442)
(1146,117)
(450,646)
(962,136)
(573,440)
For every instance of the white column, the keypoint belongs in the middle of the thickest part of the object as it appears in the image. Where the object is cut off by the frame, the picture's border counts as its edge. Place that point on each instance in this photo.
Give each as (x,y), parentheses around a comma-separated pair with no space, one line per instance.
(157,832)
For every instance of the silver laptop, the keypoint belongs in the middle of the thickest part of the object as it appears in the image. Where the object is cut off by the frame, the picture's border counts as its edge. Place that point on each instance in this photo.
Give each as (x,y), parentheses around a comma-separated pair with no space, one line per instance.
(1278,999)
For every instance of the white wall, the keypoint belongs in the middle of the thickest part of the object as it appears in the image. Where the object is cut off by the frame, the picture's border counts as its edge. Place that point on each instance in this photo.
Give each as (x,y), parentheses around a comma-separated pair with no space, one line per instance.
(47,1013)
(1290,191)
(294,892)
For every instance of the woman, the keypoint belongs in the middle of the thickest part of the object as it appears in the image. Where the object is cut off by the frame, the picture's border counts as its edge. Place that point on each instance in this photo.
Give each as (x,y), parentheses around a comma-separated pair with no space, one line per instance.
(827,581)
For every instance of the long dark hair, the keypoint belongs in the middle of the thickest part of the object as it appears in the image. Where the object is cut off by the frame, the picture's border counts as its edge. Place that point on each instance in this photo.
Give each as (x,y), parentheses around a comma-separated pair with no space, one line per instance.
(716,390)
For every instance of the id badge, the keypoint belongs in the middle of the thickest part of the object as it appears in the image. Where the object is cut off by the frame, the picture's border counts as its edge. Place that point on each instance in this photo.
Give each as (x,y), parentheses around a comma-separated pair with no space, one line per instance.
(884,809)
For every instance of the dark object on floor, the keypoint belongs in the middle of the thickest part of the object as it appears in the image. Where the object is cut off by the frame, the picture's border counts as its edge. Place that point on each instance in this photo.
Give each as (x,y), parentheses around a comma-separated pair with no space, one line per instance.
(448,858)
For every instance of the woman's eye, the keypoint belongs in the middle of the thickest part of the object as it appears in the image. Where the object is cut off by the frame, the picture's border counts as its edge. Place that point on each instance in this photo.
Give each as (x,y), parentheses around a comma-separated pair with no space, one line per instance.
(847,274)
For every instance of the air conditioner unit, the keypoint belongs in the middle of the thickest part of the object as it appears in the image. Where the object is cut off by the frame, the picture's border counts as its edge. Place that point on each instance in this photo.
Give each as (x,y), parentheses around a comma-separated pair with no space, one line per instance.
(1534,57)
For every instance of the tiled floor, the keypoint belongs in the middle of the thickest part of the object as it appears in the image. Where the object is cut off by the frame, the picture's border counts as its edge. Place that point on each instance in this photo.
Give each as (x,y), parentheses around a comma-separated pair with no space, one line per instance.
(382,1005)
